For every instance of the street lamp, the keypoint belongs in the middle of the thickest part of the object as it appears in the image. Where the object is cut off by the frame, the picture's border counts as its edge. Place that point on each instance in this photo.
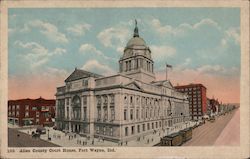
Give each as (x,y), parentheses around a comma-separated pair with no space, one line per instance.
(48,134)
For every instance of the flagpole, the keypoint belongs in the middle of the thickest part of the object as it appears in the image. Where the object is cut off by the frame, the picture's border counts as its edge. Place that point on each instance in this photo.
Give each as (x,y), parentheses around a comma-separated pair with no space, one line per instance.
(166,72)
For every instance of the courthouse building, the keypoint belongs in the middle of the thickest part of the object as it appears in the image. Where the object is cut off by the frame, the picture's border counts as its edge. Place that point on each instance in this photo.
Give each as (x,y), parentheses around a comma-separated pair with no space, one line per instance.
(197,95)
(124,106)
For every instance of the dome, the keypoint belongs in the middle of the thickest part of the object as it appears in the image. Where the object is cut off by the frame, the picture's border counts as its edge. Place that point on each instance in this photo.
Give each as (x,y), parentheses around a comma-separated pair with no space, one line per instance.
(136,41)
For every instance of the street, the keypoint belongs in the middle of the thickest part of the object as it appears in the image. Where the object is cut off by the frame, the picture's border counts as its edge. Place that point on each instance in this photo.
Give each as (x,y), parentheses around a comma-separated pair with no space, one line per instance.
(207,134)
(25,140)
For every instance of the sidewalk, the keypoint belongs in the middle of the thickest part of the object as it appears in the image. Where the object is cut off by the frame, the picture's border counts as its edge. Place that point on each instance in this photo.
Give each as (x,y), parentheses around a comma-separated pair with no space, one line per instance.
(230,136)
(61,139)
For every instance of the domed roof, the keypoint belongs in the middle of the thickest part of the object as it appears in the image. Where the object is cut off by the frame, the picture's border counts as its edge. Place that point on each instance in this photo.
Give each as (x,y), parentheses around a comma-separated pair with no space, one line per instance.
(136,41)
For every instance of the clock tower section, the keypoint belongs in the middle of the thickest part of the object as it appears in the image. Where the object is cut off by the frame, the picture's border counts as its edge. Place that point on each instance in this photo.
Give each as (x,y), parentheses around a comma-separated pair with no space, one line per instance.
(136,61)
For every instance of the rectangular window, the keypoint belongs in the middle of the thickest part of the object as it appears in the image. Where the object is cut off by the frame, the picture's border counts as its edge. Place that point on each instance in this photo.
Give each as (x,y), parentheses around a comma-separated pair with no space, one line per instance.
(138,128)
(99,113)
(97,129)
(137,113)
(125,114)
(84,100)
(126,131)
(26,114)
(104,130)
(34,108)
(132,130)
(152,125)
(143,127)
(112,114)
(148,126)
(111,131)
(13,106)
(85,113)
(17,106)
(131,114)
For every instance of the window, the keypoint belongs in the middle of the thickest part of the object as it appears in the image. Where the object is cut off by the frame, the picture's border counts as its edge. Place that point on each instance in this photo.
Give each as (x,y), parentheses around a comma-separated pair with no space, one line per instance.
(104,130)
(99,100)
(112,99)
(156,123)
(13,106)
(111,131)
(112,114)
(17,107)
(85,83)
(137,113)
(143,127)
(132,130)
(142,113)
(26,114)
(9,107)
(105,114)
(138,128)
(131,100)
(85,113)
(125,114)
(84,100)
(97,129)
(148,125)
(152,125)
(126,131)
(131,114)
(34,108)
(37,114)
(99,113)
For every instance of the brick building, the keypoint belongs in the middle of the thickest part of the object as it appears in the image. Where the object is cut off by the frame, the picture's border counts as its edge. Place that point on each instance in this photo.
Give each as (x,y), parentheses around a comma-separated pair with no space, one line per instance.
(197,99)
(31,111)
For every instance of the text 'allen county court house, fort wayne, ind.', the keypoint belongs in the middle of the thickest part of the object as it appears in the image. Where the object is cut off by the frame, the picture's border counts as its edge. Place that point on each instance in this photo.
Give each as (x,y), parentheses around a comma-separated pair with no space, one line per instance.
(122,107)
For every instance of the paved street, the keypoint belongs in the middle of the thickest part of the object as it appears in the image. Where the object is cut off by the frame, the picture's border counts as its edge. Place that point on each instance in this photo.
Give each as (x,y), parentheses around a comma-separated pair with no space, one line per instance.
(25,140)
(207,134)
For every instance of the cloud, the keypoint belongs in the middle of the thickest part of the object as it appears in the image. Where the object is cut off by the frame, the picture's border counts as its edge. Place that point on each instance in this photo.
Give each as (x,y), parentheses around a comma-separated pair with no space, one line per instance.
(47,29)
(183,28)
(217,69)
(234,33)
(79,29)
(160,53)
(97,67)
(114,36)
(37,54)
(90,49)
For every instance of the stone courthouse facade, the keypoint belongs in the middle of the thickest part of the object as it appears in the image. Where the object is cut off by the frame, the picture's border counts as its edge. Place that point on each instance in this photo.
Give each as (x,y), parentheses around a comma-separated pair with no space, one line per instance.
(122,107)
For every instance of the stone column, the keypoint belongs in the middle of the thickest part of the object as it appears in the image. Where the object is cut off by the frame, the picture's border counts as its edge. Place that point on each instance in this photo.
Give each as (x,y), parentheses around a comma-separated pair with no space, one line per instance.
(82,112)
(108,108)
(91,107)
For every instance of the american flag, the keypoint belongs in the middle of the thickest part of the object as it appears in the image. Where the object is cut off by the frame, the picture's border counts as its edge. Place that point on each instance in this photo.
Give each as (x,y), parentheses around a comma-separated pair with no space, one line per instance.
(167,65)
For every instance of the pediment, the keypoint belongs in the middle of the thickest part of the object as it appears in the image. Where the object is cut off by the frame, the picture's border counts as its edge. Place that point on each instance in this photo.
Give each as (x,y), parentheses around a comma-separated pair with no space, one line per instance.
(133,85)
(78,74)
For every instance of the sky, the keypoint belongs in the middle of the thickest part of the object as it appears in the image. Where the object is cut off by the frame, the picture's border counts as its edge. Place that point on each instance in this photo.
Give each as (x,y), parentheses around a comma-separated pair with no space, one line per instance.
(46,45)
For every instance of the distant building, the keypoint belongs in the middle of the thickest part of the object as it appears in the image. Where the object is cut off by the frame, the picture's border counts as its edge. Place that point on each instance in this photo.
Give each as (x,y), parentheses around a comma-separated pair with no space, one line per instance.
(215,106)
(24,112)
(122,107)
(197,99)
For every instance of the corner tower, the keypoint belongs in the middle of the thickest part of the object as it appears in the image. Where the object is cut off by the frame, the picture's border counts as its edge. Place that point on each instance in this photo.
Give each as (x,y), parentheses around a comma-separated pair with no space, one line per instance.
(136,61)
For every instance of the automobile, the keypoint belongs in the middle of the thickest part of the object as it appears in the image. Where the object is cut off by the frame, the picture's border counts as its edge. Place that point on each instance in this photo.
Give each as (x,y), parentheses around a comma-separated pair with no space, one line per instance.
(35,135)
(41,130)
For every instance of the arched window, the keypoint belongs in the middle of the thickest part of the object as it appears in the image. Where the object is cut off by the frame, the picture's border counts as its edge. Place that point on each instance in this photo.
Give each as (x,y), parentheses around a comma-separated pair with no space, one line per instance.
(76,106)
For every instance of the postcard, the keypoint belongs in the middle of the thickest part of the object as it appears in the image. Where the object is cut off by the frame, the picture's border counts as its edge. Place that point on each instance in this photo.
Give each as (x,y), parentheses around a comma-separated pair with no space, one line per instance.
(124,79)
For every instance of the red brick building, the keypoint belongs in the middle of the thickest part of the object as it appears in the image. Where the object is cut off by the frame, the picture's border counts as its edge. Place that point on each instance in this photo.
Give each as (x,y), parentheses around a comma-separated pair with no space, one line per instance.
(31,111)
(197,99)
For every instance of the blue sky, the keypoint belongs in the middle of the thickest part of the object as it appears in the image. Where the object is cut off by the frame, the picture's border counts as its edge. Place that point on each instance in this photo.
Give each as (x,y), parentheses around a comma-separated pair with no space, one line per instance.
(204,40)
